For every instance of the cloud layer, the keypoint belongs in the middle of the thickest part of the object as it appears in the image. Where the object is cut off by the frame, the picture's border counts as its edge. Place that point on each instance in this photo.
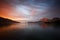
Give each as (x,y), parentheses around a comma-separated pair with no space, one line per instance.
(32,10)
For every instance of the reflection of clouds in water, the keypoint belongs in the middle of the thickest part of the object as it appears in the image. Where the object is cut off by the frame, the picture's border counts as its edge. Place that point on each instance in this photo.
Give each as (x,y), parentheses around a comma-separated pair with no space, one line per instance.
(19,26)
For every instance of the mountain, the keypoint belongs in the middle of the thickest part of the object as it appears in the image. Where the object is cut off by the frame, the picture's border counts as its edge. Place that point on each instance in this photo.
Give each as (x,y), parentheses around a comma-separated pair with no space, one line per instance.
(5,21)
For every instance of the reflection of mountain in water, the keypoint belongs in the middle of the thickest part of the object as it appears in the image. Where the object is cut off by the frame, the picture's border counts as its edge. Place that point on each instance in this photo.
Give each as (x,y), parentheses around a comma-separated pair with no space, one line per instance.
(5,21)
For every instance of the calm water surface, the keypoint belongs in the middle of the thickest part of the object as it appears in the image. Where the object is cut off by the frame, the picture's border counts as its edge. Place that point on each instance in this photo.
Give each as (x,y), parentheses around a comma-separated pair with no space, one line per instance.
(30,30)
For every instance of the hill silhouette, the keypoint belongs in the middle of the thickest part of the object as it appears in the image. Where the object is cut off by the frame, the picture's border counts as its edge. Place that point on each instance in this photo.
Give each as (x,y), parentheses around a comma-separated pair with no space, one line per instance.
(5,21)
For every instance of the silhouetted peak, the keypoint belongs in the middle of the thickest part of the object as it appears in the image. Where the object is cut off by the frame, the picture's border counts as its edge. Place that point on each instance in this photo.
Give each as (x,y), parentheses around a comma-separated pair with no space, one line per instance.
(5,21)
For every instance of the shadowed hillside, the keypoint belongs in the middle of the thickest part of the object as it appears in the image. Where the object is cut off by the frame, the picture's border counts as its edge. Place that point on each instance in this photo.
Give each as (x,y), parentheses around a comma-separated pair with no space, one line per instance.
(5,21)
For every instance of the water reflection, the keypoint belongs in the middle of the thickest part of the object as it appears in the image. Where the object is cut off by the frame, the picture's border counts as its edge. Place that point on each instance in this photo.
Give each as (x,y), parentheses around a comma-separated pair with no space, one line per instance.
(28,26)
(18,26)
(29,29)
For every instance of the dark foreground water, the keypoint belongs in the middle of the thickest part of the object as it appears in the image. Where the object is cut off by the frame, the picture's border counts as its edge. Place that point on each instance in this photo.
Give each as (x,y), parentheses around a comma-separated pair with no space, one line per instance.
(30,31)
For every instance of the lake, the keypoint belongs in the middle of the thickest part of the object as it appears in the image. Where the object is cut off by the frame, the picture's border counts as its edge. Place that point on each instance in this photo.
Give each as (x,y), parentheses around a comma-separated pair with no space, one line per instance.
(30,31)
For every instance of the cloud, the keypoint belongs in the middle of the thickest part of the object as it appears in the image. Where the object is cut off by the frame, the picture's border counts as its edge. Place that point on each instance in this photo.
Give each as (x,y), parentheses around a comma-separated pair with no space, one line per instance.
(29,9)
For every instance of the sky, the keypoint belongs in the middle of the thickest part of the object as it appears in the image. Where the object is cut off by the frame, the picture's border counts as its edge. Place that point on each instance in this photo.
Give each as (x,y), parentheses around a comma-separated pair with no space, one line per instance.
(30,10)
